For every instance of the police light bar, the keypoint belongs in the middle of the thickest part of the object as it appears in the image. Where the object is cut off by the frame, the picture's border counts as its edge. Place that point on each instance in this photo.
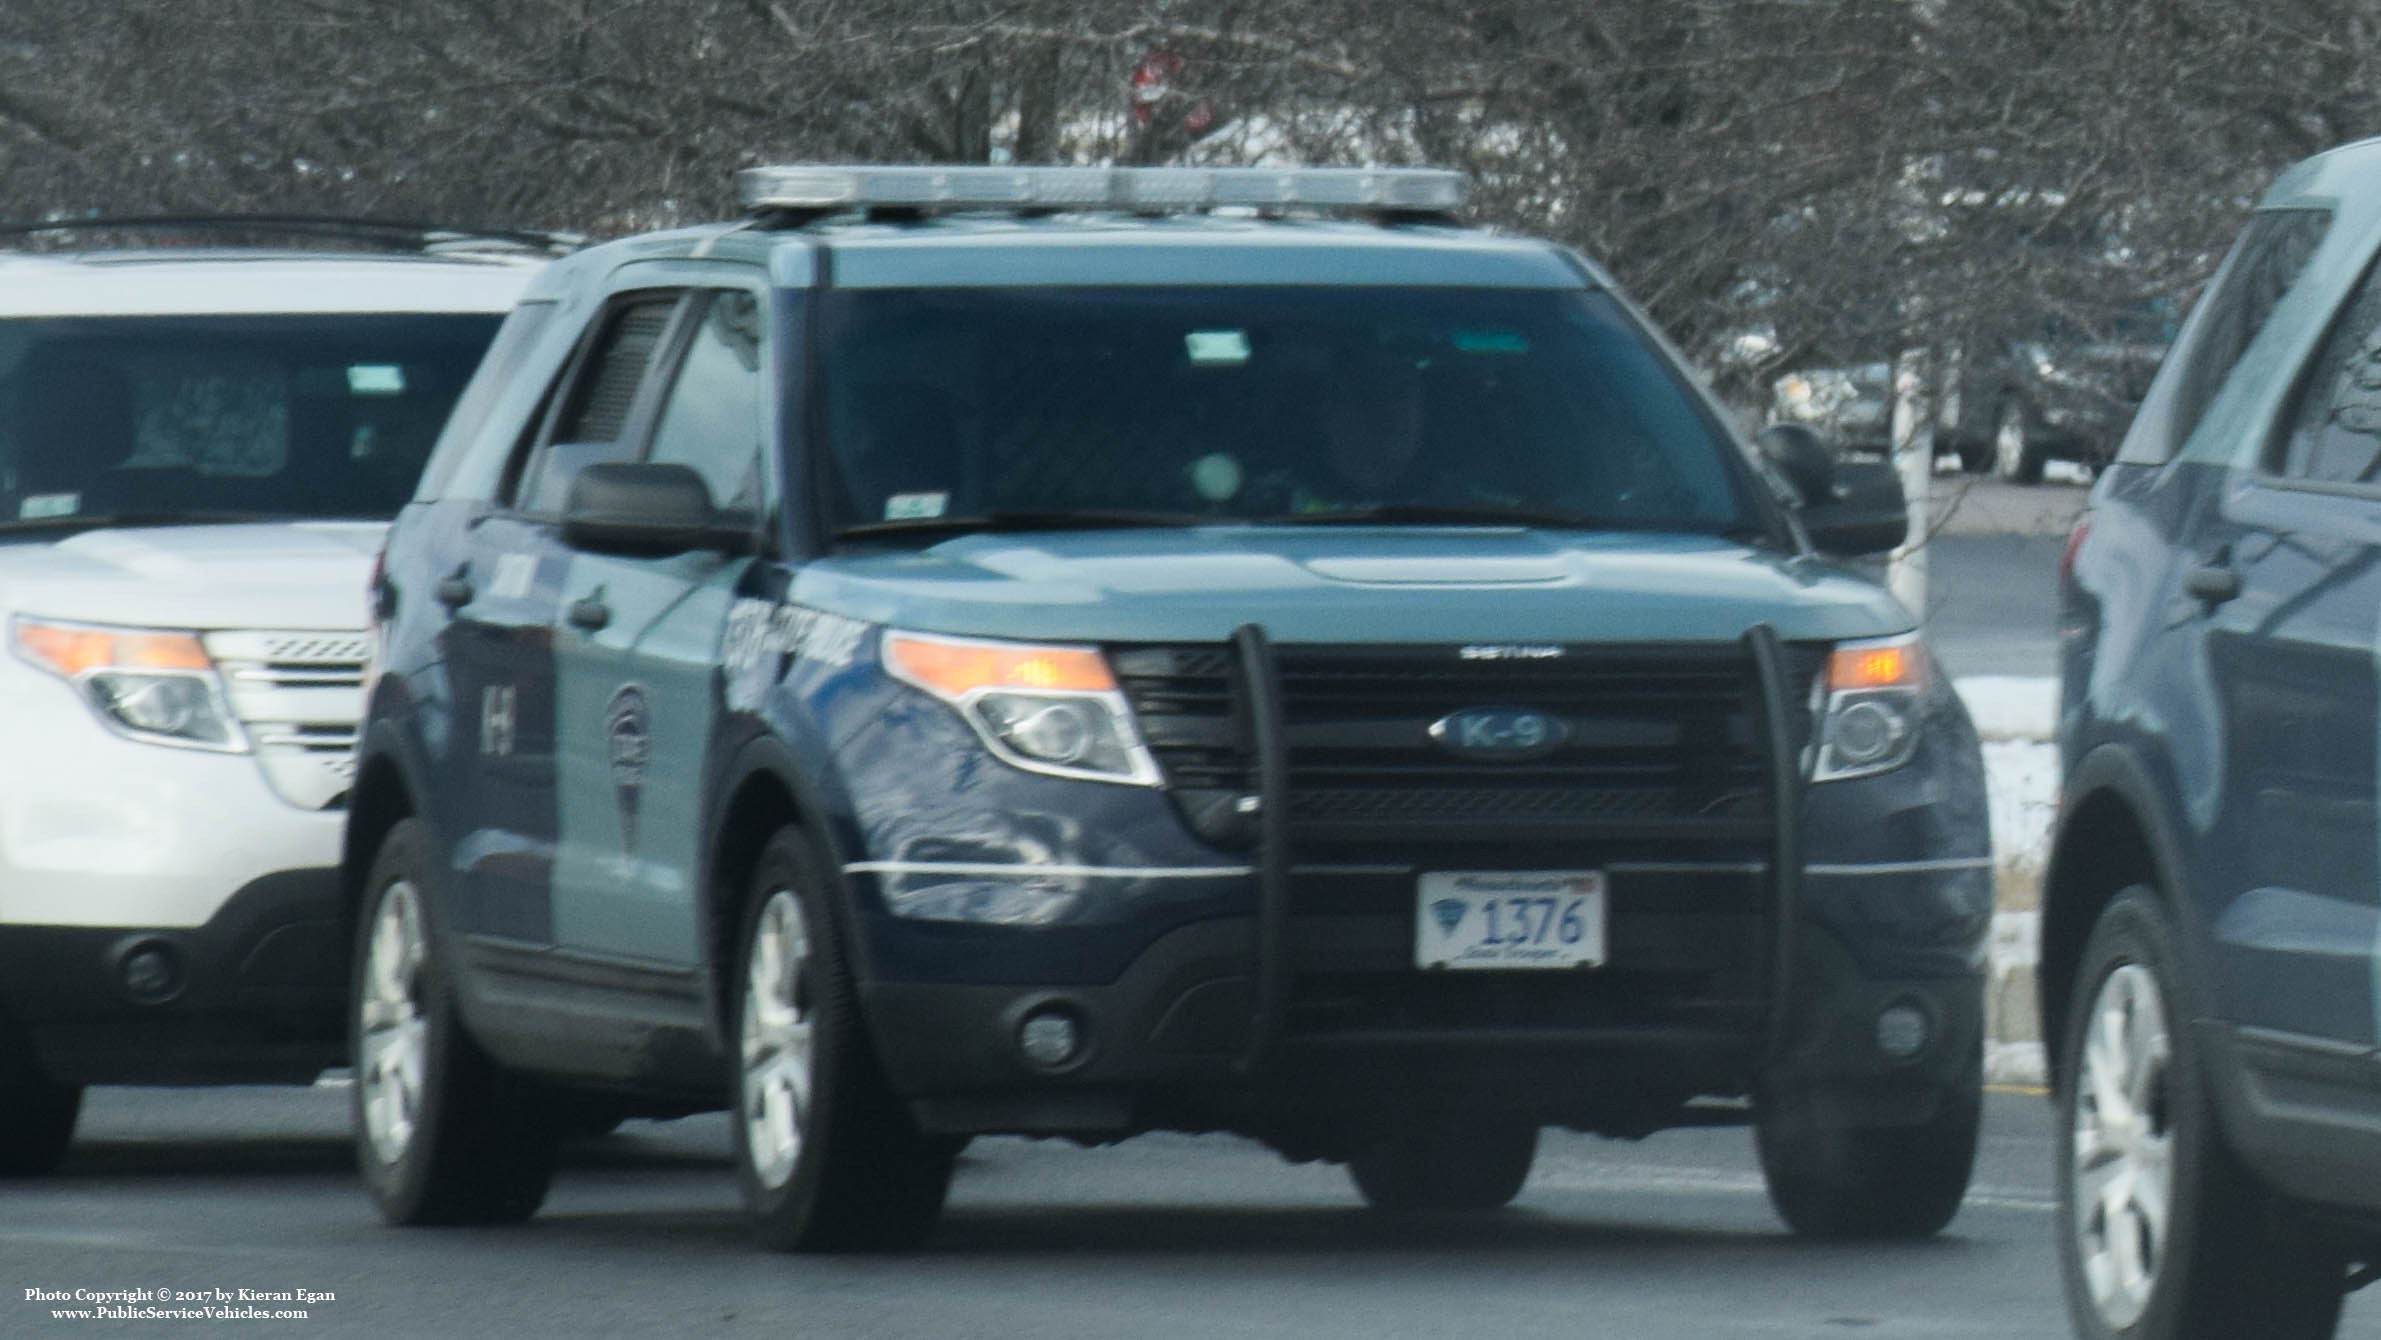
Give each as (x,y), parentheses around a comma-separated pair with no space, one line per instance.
(1142,190)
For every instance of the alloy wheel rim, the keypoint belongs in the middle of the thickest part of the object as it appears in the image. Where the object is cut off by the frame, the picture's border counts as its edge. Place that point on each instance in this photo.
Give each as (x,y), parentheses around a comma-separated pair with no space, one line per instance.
(777,1039)
(2123,1155)
(392,1034)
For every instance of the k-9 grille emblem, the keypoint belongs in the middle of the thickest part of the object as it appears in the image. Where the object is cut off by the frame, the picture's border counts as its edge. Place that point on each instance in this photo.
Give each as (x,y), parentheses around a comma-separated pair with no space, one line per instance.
(1500,734)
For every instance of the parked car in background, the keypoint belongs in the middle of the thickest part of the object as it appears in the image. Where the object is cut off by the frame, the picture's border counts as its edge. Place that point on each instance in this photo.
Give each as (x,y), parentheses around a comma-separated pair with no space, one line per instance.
(2010,414)
(204,427)
(1076,653)
(2212,903)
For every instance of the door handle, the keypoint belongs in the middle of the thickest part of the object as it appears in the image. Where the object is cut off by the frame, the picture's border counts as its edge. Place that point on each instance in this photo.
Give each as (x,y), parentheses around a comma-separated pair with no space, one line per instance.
(2213,583)
(590,612)
(455,591)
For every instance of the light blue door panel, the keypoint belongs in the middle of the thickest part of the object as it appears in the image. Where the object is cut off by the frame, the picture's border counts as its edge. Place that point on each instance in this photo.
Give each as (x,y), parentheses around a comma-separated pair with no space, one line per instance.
(638,703)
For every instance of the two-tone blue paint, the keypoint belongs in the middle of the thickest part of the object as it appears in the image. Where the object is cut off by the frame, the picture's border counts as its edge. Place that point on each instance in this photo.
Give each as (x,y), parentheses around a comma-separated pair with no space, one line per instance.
(594,927)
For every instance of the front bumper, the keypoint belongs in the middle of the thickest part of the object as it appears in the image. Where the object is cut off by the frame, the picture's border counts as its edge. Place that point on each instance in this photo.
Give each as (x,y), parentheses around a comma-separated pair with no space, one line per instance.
(165,915)
(99,830)
(1163,1045)
(1199,992)
(253,995)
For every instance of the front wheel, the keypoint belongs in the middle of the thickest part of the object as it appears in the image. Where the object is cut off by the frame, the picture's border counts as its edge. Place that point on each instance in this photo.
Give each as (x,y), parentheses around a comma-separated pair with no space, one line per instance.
(1446,1164)
(443,1136)
(828,1156)
(2163,1235)
(37,1114)
(1838,1181)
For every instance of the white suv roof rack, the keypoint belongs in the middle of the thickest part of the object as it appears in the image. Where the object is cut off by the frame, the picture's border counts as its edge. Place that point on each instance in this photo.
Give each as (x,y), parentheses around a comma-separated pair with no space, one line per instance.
(171,230)
(822,188)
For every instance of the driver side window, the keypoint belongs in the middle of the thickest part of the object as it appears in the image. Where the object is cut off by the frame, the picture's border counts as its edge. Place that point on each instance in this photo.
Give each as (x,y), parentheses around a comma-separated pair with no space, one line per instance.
(2335,432)
(712,417)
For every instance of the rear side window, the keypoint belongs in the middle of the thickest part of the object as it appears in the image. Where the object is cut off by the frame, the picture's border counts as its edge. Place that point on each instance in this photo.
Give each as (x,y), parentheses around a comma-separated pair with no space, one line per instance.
(2273,251)
(2335,427)
(597,402)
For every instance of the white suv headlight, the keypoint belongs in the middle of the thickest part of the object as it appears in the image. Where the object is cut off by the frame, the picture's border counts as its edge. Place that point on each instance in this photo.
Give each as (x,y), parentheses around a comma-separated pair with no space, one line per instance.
(155,685)
(1866,706)
(1046,709)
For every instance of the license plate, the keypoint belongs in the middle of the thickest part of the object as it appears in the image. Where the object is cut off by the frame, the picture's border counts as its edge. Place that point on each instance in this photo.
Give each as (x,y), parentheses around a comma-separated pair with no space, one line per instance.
(1509,919)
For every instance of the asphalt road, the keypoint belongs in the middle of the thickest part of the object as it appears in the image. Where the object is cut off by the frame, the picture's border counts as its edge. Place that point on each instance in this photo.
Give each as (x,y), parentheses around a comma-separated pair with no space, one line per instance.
(1992,569)
(229,1189)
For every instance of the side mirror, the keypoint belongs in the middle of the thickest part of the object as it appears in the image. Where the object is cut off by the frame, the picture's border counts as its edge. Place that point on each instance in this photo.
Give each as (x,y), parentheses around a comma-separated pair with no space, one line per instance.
(647,509)
(1869,513)
(1801,457)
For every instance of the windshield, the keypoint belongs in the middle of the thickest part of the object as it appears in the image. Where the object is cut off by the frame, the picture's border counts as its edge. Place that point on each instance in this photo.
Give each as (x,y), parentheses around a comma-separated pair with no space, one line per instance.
(1274,405)
(152,420)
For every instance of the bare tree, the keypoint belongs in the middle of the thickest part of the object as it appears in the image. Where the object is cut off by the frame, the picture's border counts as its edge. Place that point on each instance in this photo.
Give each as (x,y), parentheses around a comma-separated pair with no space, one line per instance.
(1851,176)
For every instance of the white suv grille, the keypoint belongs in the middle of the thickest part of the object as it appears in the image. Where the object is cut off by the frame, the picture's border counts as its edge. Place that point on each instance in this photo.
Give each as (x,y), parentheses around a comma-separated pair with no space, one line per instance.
(299,696)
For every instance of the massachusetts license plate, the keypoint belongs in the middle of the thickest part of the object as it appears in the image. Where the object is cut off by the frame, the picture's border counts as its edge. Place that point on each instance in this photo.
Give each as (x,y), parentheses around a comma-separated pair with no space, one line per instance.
(1509,919)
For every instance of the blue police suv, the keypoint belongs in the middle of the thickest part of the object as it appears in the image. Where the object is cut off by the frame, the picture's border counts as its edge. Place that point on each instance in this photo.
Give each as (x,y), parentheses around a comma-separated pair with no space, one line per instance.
(2212,910)
(1081,652)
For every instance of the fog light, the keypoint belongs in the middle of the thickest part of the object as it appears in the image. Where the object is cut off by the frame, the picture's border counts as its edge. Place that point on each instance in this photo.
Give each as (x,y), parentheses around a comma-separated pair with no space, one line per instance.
(1901,1030)
(151,972)
(1059,733)
(1048,1037)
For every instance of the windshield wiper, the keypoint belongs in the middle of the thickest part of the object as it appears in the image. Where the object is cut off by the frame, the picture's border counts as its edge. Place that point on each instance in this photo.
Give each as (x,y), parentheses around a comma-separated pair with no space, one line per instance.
(108,520)
(1015,521)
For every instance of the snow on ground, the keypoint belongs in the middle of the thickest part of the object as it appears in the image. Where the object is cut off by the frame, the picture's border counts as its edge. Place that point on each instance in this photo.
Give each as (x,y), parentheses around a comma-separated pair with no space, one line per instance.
(2011,707)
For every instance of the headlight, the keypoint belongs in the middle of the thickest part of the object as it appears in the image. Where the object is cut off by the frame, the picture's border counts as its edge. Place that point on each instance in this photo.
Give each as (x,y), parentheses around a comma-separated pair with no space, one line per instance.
(1867,707)
(1054,710)
(148,684)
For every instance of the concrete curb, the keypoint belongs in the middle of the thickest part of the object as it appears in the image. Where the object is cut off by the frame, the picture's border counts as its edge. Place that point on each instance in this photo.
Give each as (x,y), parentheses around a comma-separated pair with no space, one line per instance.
(2016,716)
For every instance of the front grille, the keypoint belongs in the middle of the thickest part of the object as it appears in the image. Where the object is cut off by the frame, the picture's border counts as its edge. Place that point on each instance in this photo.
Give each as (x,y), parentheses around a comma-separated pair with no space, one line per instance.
(1663,741)
(299,695)
(304,650)
(1663,780)
(1314,807)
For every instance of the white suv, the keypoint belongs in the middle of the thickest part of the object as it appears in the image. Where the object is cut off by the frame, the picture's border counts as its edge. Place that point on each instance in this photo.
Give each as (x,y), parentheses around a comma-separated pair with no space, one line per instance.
(199,448)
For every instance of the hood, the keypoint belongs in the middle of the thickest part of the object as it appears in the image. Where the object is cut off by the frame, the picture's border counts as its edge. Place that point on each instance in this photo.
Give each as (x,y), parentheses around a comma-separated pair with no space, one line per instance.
(1352,585)
(296,574)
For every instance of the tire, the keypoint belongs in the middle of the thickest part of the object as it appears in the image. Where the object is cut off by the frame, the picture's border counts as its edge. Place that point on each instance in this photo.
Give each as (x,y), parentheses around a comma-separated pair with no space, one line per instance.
(37,1114)
(443,1136)
(827,1155)
(1976,458)
(2222,1258)
(1446,1164)
(1836,1182)
(2017,451)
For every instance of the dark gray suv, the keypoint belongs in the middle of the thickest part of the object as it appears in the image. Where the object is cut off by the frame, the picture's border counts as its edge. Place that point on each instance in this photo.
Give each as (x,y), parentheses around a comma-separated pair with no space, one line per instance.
(2212,912)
